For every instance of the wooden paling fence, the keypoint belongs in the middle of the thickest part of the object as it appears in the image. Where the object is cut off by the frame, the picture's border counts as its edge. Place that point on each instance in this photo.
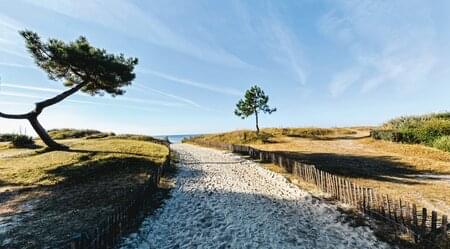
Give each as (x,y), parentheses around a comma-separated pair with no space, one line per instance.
(108,233)
(424,226)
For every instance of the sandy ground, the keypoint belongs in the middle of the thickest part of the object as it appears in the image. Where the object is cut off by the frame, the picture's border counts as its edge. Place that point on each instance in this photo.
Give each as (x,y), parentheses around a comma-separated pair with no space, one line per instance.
(223,201)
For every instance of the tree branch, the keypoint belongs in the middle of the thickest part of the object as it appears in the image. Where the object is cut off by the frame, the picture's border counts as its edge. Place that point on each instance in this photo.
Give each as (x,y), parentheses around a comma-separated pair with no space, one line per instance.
(15,116)
(46,103)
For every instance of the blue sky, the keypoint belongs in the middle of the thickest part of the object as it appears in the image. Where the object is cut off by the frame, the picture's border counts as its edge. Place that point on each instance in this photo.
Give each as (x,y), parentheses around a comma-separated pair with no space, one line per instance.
(323,63)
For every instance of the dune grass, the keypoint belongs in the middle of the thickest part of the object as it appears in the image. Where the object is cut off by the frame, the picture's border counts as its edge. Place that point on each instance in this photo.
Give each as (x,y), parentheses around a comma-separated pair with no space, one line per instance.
(271,135)
(69,191)
(414,172)
(75,133)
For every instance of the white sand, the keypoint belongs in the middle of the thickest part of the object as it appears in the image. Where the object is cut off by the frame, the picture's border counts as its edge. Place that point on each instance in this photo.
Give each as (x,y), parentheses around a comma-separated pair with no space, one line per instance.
(222,201)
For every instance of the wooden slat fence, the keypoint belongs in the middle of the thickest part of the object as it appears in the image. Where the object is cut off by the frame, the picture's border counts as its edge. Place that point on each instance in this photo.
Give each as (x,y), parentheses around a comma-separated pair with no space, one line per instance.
(424,226)
(127,216)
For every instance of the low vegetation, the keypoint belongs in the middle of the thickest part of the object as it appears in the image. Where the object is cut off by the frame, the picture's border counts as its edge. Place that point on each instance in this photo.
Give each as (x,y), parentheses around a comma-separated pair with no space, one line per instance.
(413,172)
(70,191)
(7,137)
(22,141)
(234,137)
(431,130)
(315,132)
(272,135)
(75,133)
(143,138)
(17,140)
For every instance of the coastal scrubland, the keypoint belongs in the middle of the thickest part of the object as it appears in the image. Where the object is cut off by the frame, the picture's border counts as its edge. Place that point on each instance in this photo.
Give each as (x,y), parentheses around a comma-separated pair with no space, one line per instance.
(47,196)
(415,172)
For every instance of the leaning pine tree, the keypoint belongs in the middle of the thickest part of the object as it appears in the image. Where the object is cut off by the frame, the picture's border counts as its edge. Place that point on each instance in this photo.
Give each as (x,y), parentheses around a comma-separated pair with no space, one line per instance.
(81,67)
(254,102)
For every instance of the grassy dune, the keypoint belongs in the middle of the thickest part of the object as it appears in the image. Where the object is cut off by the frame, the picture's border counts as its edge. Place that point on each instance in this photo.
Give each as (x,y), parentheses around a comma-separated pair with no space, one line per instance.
(413,172)
(431,129)
(272,135)
(69,191)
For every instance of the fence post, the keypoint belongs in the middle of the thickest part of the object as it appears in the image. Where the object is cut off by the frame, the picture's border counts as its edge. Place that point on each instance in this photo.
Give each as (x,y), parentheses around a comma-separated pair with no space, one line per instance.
(424,221)
(348,191)
(354,194)
(389,206)
(336,186)
(370,200)
(444,228)
(382,206)
(375,202)
(433,221)
(342,187)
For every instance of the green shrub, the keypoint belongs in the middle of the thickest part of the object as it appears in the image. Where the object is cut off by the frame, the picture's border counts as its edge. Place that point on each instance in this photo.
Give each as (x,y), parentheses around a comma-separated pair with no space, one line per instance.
(414,121)
(143,138)
(382,134)
(306,132)
(22,141)
(428,129)
(101,135)
(72,133)
(442,143)
(234,137)
(8,137)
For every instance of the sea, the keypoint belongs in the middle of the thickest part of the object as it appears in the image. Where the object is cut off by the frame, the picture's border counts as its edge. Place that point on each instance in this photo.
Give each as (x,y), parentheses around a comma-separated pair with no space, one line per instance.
(175,139)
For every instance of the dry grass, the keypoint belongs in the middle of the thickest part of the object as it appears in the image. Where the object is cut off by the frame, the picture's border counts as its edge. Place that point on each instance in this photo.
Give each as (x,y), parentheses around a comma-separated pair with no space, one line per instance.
(272,135)
(416,173)
(69,191)
(236,137)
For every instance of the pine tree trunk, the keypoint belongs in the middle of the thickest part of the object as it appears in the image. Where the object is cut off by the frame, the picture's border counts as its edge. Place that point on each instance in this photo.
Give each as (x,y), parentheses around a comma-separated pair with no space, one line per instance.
(257,123)
(40,106)
(44,135)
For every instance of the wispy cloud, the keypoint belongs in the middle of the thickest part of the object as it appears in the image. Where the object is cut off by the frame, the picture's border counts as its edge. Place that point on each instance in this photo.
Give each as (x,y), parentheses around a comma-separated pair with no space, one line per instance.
(343,80)
(178,98)
(12,103)
(10,40)
(31,96)
(279,42)
(7,64)
(390,49)
(32,88)
(53,90)
(188,82)
(289,48)
(127,18)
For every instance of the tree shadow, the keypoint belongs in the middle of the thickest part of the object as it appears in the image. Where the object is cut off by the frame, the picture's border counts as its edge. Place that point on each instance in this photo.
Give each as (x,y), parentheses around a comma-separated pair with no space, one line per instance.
(325,138)
(91,151)
(107,152)
(380,168)
(300,222)
(86,191)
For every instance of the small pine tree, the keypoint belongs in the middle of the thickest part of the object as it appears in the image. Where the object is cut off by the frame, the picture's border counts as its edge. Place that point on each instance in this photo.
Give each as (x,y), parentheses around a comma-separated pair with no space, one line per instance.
(254,102)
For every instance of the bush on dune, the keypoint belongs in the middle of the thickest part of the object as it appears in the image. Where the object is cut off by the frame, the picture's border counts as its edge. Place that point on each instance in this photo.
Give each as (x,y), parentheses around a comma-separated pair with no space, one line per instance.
(235,137)
(7,137)
(74,133)
(442,143)
(18,140)
(144,138)
(428,129)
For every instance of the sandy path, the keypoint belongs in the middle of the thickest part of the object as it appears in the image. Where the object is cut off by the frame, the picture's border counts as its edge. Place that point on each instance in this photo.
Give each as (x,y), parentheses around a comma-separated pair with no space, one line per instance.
(222,201)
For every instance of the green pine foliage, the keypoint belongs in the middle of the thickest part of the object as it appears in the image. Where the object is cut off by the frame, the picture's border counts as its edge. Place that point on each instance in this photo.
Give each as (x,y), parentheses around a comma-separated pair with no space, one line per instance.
(255,101)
